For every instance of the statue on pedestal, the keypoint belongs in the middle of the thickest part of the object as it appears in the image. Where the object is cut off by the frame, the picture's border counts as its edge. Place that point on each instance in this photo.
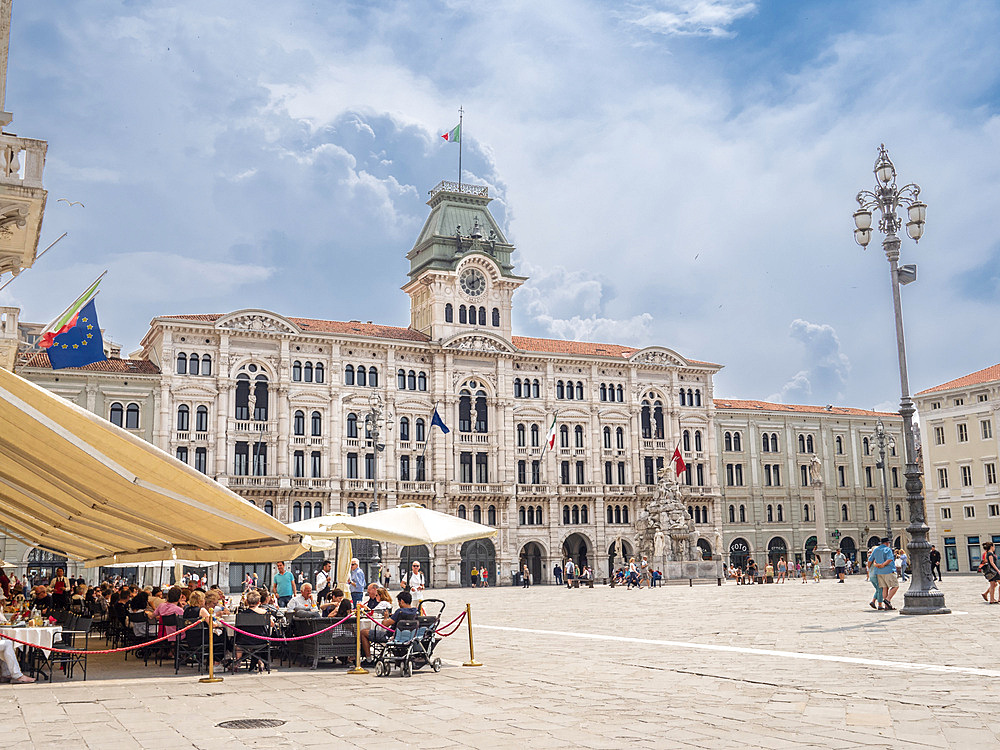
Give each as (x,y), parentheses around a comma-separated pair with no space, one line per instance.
(664,528)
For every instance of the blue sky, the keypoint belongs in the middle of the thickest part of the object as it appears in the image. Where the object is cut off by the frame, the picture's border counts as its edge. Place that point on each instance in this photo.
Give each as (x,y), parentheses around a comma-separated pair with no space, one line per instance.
(677,172)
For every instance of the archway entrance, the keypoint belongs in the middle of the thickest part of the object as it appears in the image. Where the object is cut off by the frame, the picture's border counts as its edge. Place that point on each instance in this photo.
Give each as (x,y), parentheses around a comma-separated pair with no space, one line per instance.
(898,543)
(739,553)
(849,548)
(42,565)
(706,549)
(776,549)
(531,554)
(810,548)
(873,541)
(615,561)
(479,554)
(409,555)
(575,548)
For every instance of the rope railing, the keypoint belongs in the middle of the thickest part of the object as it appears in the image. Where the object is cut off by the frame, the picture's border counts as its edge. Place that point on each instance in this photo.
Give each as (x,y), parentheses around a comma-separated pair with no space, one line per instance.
(144,644)
(284,640)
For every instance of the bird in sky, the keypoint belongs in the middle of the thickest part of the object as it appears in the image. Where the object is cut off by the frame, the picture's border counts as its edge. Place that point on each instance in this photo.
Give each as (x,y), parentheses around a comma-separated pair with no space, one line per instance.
(71,203)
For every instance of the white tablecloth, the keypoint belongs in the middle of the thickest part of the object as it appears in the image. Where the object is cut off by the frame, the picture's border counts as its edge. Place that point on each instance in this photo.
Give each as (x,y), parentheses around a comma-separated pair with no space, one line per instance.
(38,636)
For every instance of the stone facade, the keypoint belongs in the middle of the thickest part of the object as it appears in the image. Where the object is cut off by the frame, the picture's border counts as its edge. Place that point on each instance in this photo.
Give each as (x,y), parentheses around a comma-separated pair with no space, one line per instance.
(961,453)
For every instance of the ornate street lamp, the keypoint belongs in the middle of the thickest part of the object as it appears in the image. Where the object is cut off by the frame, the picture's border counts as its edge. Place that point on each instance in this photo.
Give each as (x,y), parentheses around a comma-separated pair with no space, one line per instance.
(923,596)
(883,440)
(373,430)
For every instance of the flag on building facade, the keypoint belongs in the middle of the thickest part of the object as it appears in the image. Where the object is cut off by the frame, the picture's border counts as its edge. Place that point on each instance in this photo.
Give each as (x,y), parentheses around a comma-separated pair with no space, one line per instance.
(454,135)
(678,461)
(436,421)
(80,344)
(68,318)
(550,440)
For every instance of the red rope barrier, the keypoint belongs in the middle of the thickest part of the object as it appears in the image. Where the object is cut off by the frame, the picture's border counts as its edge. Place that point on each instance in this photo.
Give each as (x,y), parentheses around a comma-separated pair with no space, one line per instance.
(285,640)
(105,651)
(456,620)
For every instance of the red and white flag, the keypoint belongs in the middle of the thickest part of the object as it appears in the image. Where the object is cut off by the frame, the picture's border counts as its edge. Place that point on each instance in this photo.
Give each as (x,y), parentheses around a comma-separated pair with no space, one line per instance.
(678,461)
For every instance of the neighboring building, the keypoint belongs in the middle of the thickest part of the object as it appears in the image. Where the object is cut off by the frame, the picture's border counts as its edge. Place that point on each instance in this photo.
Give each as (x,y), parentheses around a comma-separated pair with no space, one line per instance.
(768,505)
(961,454)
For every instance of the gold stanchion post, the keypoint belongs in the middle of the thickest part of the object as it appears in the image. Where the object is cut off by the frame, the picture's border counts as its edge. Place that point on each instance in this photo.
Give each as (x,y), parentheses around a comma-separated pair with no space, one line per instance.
(358,669)
(472,652)
(211,653)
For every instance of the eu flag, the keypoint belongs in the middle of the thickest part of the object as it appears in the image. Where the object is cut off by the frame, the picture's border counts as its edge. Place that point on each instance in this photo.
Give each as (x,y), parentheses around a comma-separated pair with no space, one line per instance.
(437,421)
(80,345)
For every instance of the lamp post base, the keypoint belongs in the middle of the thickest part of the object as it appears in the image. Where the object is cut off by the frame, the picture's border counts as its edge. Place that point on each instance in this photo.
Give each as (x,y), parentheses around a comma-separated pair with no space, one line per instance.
(924,603)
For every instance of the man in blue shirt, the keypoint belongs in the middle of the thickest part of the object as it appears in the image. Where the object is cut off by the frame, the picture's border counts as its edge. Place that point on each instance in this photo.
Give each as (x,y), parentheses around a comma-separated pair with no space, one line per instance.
(283,585)
(357,581)
(884,562)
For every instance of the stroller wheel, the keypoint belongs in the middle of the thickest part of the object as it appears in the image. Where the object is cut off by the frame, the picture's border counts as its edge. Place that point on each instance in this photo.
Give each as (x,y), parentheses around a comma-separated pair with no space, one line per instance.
(380,670)
(407,669)
(436,665)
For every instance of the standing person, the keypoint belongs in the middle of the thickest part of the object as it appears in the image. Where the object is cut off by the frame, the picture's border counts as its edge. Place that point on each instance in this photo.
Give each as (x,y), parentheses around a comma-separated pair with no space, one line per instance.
(59,586)
(557,574)
(283,585)
(817,571)
(483,578)
(570,570)
(990,569)
(525,577)
(884,562)
(415,584)
(840,563)
(876,602)
(644,572)
(782,570)
(474,575)
(300,578)
(324,582)
(356,580)
(388,574)
(906,562)
(935,564)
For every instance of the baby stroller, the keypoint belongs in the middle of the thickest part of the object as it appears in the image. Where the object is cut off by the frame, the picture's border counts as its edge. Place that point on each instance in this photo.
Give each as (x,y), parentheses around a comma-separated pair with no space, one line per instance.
(412,645)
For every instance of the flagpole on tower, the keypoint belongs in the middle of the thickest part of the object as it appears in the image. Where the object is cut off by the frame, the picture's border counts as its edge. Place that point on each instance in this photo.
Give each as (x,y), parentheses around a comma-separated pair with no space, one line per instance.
(461,113)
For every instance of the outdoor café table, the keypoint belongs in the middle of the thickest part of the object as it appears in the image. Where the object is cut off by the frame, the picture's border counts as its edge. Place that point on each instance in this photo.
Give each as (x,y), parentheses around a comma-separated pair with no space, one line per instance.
(43,636)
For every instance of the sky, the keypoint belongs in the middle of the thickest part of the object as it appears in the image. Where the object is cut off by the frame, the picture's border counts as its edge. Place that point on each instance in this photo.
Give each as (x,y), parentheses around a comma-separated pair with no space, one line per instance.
(678,173)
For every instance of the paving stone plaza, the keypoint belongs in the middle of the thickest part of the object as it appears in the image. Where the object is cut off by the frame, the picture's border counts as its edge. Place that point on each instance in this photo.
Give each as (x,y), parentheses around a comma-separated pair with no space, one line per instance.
(792,665)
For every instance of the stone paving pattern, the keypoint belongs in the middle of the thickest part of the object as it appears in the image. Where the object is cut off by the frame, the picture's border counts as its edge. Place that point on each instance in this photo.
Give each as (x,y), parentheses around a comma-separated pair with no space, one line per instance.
(551,691)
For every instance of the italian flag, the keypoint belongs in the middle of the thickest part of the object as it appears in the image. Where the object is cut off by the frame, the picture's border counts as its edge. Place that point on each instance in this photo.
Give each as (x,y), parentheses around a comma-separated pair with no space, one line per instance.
(551,439)
(454,135)
(68,318)
(678,461)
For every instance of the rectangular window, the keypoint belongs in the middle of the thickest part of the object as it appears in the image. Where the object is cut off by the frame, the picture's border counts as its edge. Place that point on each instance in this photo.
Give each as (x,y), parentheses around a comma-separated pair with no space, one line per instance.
(404,468)
(993,510)
(465,463)
(259,455)
(369,466)
(730,475)
(939,435)
(482,468)
(982,397)
(966,476)
(241,462)
(352,465)
(316,463)
(950,554)
(421,469)
(963,433)
(522,472)
(739,475)
(946,514)
(579,473)
(959,401)
(841,476)
(936,405)
(182,454)
(969,511)
(803,475)
(201,460)
(767,475)
(991,473)
(986,428)
(942,479)
(868,477)
(621,472)
(609,472)
(299,464)
(564,472)
(536,472)
(895,477)
(647,467)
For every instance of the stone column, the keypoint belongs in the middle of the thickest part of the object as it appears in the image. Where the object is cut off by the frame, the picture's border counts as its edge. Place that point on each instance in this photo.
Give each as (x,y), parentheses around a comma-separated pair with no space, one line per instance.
(822,547)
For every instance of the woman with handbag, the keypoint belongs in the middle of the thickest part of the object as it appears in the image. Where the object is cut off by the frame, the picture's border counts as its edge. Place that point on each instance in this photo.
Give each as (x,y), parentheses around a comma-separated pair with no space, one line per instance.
(989,568)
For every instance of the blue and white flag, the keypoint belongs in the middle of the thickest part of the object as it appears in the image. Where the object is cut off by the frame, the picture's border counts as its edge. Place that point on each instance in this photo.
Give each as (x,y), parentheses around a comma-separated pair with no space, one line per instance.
(438,422)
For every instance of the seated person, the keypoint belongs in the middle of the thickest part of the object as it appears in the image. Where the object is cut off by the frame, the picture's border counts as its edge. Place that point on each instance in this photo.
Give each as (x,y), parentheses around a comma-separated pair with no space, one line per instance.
(372,600)
(338,607)
(10,670)
(140,604)
(171,606)
(406,611)
(156,597)
(42,599)
(195,606)
(253,604)
(304,601)
(383,606)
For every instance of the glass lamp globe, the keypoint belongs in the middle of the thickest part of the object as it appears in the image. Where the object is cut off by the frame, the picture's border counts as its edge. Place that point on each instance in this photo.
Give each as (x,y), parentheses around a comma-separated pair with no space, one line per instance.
(863,236)
(863,218)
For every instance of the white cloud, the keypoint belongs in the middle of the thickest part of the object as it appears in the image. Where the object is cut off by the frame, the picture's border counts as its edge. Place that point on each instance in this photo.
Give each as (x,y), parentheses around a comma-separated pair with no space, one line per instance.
(691,17)
(827,368)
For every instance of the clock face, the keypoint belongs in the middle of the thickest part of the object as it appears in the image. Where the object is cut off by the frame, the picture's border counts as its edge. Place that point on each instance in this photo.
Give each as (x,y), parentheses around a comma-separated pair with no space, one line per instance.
(473,282)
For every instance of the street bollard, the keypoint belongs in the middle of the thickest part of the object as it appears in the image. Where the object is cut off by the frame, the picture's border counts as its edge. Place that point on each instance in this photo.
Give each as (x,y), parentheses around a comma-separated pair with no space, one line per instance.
(358,669)
(211,652)
(472,653)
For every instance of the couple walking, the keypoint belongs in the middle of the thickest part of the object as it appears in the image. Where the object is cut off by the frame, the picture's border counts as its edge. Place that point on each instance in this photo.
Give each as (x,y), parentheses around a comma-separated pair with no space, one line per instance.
(882,574)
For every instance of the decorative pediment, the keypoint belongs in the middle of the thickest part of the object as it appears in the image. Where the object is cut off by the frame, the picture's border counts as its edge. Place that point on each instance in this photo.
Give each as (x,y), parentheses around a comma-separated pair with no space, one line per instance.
(256,321)
(478,342)
(658,355)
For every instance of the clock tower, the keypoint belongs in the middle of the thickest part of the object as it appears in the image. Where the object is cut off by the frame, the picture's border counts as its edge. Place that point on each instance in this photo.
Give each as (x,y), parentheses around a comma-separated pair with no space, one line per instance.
(461,276)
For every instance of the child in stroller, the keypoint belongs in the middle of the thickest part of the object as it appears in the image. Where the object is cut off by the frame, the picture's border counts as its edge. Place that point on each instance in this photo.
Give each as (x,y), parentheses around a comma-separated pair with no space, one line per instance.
(411,645)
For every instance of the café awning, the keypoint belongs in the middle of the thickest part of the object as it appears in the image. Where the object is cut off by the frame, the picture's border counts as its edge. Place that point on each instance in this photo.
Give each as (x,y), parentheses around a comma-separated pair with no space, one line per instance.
(73,483)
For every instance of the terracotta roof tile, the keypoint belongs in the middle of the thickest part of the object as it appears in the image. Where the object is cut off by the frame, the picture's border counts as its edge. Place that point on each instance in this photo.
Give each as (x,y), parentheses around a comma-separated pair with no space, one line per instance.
(987,375)
(739,404)
(561,346)
(363,329)
(126,366)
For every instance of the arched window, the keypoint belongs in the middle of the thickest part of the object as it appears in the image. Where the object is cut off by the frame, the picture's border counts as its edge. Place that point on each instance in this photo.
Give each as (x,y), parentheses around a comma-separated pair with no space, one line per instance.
(462,317)
(319,372)
(372,377)
(517,387)
(578,436)
(299,423)
(419,432)
(449,313)
(765,444)
(352,425)
(422,381)
(658,420)
(404,429)
(183,418)
(770,514)
(349,375)
(697,440)
(461,511)
(491,515)
(317,424)
(182,364)
(296,371)
(774,442)
(566,515)
(297,511)
(607,437)
(840,445)
(482,420)
(560,390)
(534,436)
(132,417)
(683,398)
(844,515)
(732,514)
(583,514)
(307,372)
(401,379)
(576,514)
(307,511)
(781,513)
(206,364)
(352,509)
(117,414)
(686,440)
(269,507)
(534,389)
(496,317)
(411,380)
(802,443)
(728,441)
(899,512)
(563,436)
(260,394)
(477,514)
(579,391)
(482,316)
(645,419)
(604,392)
(362,375)
(193,362)
(805,512)
(871,512)
(611,515)
(624,514)
(317,509)
(697,397)
(620,438)
(737,442)
(620,393)
(465,411)
(809,443)
(201,419)
(521,434)
(522,517)
(618,514)
(865,447)
(743,514)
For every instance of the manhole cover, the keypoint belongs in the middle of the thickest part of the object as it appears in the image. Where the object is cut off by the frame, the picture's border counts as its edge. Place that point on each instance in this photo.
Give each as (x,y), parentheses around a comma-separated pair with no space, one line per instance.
(251,723)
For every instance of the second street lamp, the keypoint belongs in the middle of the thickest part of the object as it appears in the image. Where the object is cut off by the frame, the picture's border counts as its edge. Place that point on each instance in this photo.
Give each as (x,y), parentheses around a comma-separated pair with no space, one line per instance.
(923,596)
(883,441)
